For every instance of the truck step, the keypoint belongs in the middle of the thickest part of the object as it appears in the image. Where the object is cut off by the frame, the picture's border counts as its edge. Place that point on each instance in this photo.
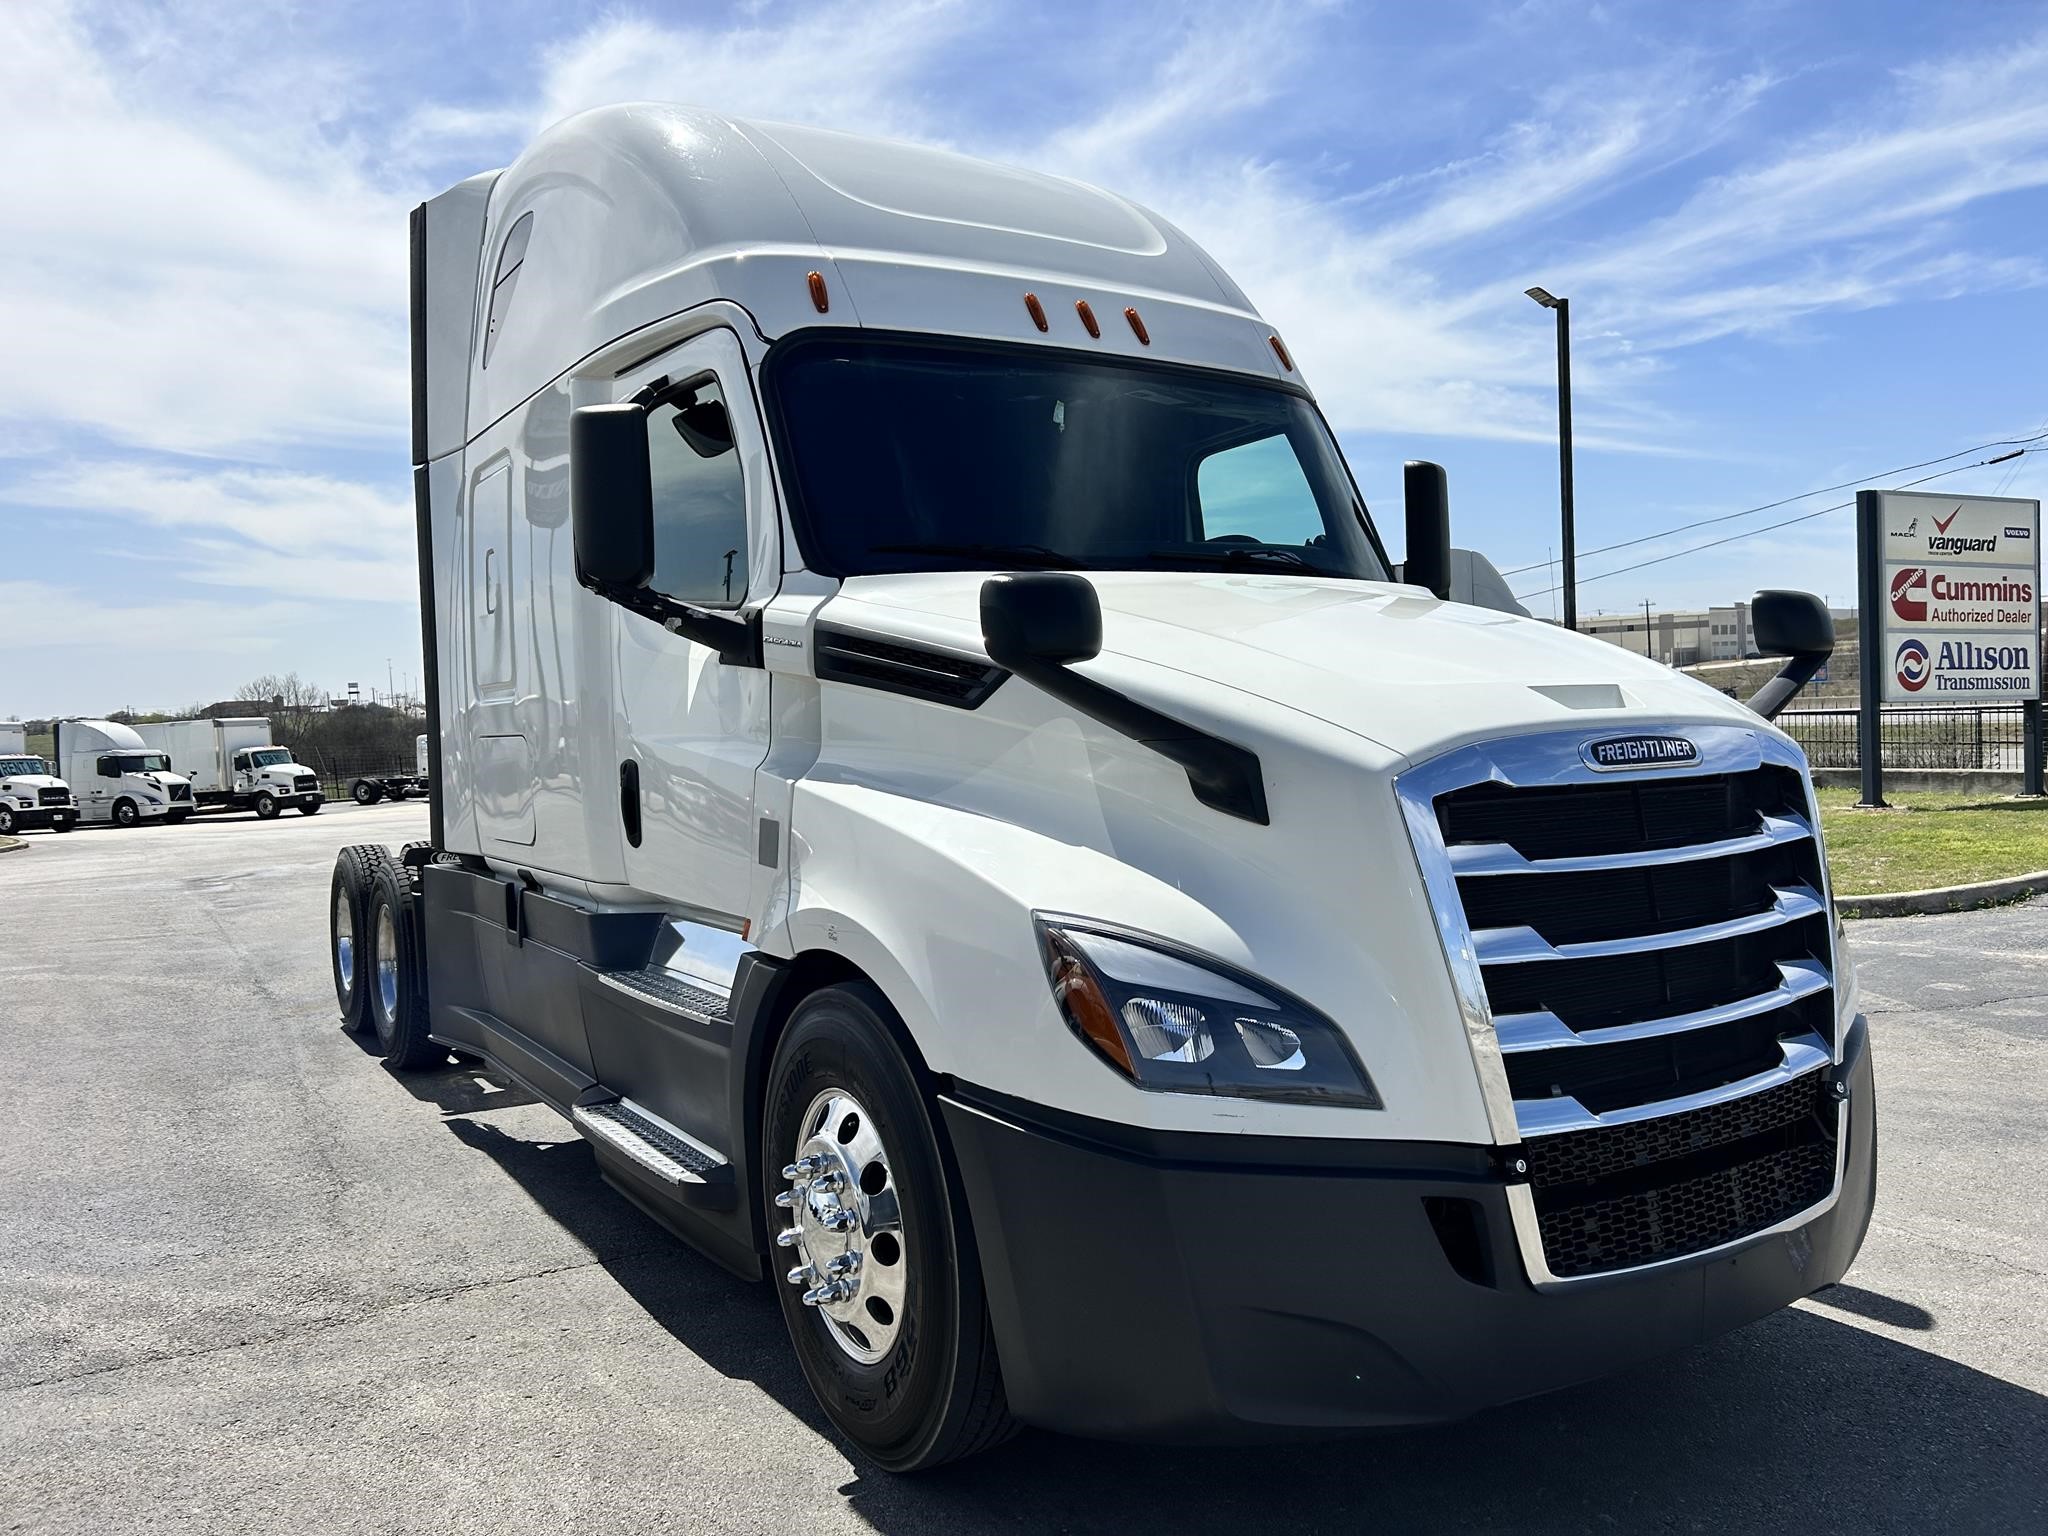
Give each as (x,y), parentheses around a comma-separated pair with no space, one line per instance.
(670,992)
(697,1175)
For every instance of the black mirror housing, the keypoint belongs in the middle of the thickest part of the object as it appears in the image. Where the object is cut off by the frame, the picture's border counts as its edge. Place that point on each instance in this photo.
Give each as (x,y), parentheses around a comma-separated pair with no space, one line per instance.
(1791,624)
(1427,499)
(1797,626)
(1047,618)
(611,496)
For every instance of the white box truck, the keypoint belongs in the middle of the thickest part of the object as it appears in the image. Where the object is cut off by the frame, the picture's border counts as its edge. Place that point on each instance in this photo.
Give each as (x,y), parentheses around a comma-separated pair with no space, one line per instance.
(942,783)
(30,795)
(117,777)
(234,765)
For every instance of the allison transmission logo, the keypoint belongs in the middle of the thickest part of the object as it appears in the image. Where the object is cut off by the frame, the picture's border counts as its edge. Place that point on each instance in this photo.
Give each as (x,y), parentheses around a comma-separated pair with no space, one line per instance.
(1912,666)
(1639,752)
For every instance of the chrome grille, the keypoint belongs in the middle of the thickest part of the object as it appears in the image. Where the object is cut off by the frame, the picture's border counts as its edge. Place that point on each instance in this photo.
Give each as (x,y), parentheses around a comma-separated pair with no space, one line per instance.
(1644,957)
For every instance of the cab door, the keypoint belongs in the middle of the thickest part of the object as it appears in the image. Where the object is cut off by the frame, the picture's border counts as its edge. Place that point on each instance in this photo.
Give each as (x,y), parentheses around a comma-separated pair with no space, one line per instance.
(692,728)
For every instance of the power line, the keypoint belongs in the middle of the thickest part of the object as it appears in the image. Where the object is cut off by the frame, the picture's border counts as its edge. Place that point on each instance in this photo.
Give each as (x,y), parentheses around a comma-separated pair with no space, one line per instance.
(1734,538)
(1786,501)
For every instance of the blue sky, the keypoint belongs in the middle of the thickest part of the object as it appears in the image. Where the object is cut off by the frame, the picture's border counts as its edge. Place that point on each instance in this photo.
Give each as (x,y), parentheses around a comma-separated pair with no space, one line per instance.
(1804,243)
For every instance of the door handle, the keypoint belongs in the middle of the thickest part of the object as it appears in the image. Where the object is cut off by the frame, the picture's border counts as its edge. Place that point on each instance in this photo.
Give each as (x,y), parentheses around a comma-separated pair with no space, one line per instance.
(629,800)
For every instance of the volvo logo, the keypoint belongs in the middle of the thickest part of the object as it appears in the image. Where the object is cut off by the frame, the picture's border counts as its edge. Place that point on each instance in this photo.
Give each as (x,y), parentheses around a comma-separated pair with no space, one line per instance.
(1639,752)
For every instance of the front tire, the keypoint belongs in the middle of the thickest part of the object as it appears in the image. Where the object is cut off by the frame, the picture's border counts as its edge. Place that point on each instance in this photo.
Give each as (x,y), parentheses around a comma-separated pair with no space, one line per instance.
(311,807)
(63,824)
(126,814)
(365,792)
(915,1383)
(266,807)
(394,972)
(6,821)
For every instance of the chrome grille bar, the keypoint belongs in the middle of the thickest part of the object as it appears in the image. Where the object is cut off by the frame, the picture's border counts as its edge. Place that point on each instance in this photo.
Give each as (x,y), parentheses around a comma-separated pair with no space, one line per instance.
(1548,1117)
(1516,946)
(1503,859)
(1546,1031)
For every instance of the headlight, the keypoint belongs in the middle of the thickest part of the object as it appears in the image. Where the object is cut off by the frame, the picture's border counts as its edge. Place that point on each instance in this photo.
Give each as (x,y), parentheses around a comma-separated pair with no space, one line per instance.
(1176,1022)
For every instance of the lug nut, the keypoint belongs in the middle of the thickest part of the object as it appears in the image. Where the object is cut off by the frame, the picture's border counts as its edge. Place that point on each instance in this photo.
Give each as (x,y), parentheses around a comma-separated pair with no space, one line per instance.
(803,1274)
(802,1168)
(788,1238)
(830,1291)
(790,1199)
(842,1264)
(829,1180)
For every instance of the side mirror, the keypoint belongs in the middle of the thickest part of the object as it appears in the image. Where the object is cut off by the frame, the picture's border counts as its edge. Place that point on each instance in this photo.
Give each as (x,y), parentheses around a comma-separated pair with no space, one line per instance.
(611,496)
(1427,498)
(1795,625)
(1040,618)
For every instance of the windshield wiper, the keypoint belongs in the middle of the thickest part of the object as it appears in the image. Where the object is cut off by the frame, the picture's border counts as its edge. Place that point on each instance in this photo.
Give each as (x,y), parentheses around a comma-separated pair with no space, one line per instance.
(1040,555)
(1239,554)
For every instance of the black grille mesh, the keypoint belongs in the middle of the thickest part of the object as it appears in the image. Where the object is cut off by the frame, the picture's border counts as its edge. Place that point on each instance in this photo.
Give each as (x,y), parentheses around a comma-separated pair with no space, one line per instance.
(53,797)
(1578,1157)
(1687,1217)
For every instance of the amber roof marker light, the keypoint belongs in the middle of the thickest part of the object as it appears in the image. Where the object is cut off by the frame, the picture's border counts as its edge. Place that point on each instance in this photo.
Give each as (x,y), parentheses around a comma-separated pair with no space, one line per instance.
(820,299)
(1281,353)
(1087,318)
(1037,311)
(1138,327)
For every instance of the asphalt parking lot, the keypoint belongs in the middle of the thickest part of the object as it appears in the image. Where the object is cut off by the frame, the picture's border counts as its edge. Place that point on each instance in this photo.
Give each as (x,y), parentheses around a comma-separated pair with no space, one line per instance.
(249,1281)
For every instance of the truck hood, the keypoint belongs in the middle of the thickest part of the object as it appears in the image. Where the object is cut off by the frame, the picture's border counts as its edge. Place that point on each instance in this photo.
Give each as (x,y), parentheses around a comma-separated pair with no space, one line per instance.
(1387,662)
(27,781)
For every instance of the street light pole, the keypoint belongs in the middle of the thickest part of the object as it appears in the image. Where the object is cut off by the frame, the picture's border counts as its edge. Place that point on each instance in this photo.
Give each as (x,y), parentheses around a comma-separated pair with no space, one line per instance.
(1563,309)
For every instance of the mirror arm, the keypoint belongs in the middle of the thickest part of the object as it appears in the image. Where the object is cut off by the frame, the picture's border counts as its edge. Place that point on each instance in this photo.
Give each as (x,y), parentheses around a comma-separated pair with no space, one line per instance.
(737,640)
(1797,672)
(1224,776)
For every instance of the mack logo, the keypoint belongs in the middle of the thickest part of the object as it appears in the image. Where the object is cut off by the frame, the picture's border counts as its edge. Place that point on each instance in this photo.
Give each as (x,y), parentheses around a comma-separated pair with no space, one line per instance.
(1639,752)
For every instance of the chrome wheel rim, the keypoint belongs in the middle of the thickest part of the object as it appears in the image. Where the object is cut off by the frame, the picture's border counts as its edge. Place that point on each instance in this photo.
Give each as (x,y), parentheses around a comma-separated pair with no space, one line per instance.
(345,942)
(851,1249)
(387,963)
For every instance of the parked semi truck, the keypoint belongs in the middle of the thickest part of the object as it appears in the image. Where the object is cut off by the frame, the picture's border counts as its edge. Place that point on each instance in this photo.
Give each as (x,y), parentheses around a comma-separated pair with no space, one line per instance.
(233,765)
(30,795)
(117,777)
(942,783)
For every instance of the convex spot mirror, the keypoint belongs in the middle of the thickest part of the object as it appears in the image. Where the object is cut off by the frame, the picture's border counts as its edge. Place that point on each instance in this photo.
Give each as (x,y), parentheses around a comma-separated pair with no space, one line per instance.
(1050,618)
(611,496)
(704,425)
(1791,624)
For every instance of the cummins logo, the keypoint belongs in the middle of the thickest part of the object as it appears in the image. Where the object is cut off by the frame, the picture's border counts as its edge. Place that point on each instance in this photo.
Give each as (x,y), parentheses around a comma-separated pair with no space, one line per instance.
(1639,752)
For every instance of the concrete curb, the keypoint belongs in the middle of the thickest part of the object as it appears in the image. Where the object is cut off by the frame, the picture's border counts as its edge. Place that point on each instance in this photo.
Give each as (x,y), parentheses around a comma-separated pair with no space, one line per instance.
(1948,898)
(11,844)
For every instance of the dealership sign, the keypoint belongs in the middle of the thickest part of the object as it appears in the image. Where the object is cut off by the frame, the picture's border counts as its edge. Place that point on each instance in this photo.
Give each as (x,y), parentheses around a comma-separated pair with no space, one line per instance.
(1962,583)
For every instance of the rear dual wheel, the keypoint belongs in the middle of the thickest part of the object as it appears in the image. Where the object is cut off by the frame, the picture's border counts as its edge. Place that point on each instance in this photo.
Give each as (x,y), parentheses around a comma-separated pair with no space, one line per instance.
(884,1297)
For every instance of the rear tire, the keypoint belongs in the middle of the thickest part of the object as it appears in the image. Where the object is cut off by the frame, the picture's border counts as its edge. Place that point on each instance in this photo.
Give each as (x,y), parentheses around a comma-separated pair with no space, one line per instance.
(366,793)
(126,814)
(396,991)
(934,1391)
(348,899)
(266,807)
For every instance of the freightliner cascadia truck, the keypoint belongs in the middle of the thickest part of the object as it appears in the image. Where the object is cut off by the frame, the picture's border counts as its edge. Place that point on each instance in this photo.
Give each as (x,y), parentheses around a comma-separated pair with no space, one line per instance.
(942,783)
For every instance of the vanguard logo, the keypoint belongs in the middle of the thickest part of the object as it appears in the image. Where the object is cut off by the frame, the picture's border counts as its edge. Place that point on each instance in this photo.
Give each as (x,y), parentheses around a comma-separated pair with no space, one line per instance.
(1639,752)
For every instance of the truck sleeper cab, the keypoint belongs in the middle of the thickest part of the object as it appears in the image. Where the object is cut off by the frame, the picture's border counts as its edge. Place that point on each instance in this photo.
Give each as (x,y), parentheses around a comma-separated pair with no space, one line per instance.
(116,778)
(941,782)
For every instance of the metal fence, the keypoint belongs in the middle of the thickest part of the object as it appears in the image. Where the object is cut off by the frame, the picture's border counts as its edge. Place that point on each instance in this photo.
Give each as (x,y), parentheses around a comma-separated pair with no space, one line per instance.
(339,770)
(1915,736)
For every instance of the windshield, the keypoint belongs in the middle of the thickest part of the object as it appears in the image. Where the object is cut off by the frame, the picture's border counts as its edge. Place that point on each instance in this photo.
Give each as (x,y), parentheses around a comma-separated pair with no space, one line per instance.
(269,757)
(10,766)
(142,762)
(911,456)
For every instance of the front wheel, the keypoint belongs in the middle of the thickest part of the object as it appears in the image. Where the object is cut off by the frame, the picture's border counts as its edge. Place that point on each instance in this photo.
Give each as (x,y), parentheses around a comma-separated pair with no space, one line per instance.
(126,813)
(63,824)
(884,1300)
(365,792)
(266,807)
(6,820)
(311,807)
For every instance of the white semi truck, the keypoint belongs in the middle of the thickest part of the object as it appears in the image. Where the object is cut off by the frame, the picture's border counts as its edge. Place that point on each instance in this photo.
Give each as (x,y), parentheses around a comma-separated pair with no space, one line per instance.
(942,783)
(233,765)
(30,795)
(117,777)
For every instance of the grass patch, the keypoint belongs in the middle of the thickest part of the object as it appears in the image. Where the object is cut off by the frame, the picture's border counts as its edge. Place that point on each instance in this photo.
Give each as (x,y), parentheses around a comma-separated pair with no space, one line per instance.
(1926,841)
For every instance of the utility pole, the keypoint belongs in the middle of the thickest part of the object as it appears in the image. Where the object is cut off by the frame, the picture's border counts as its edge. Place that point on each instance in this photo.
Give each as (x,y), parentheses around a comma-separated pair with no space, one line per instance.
(1646,630)
(1563,310)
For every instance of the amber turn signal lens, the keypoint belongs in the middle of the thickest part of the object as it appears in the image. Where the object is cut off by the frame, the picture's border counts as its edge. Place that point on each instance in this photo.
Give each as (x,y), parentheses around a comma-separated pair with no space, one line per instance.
(819,297)
(1080,998)
(1138,328)
(1087,317)
(1281,353)
(1037,311)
